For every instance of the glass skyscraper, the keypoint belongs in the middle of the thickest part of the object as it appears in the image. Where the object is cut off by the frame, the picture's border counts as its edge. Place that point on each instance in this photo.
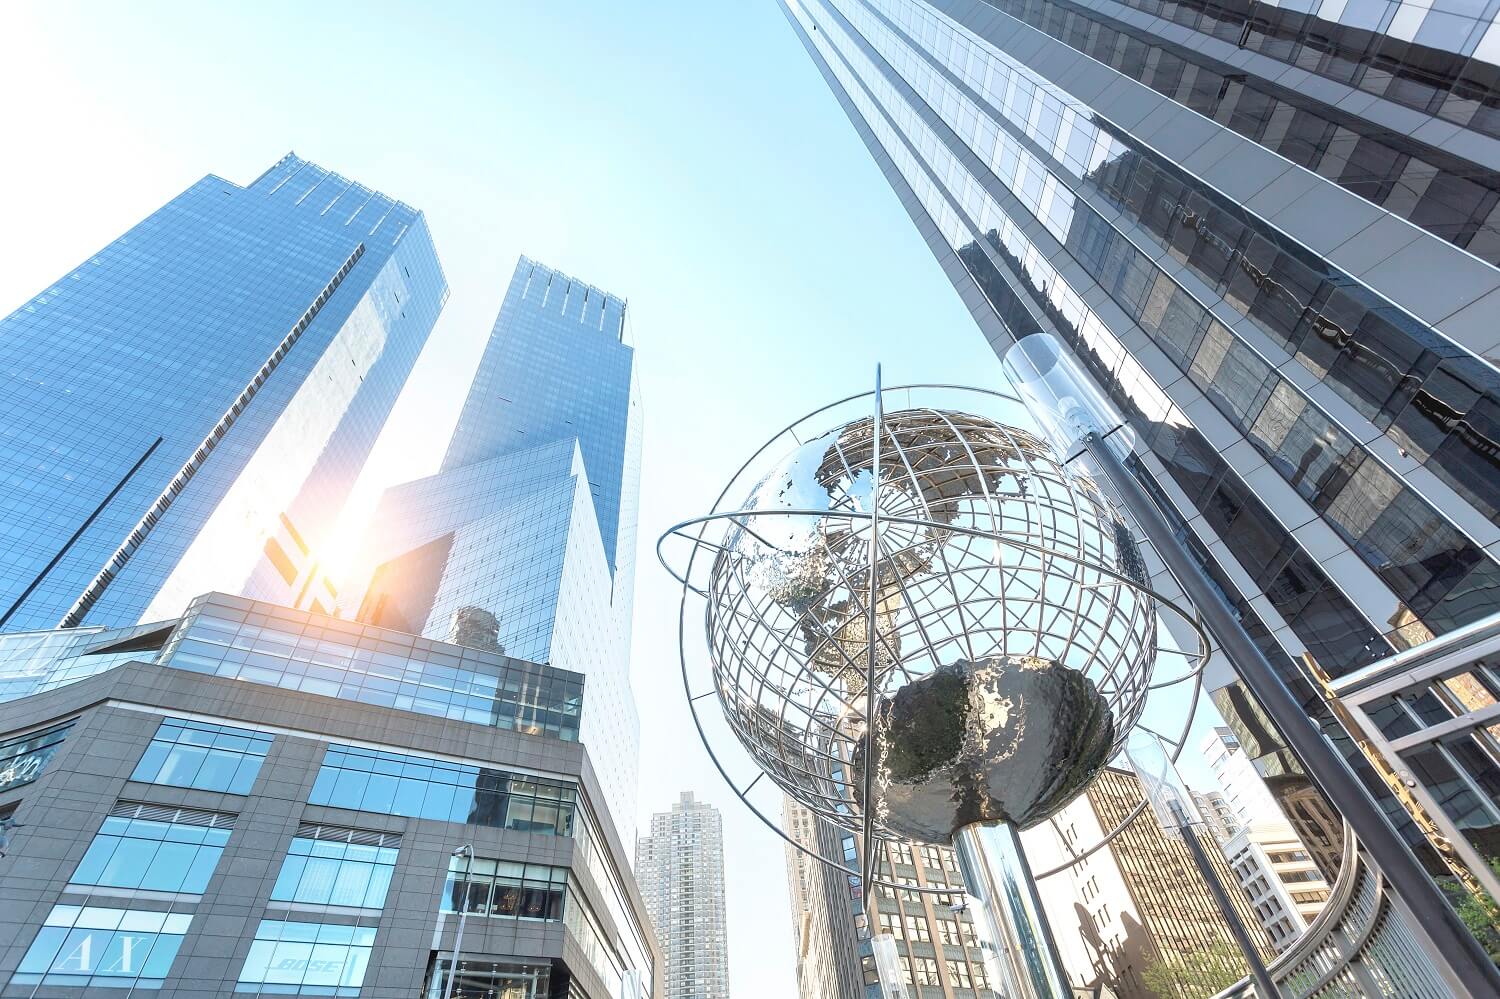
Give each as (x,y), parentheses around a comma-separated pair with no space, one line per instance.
(524,540)
(1269,233)
(188,408)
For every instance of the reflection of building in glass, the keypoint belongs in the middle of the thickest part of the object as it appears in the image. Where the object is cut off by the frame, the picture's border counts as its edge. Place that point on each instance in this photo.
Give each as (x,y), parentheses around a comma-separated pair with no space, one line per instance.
(1134,903)
(1217,813)
(1270,862)
(524,540)
(189,407)
(680,869)
(1277,257)
(1285,889)
(254,799)
(937,952)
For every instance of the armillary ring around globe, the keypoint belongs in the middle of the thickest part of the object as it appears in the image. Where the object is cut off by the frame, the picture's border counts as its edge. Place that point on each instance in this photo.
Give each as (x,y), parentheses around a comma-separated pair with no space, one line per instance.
(800,625)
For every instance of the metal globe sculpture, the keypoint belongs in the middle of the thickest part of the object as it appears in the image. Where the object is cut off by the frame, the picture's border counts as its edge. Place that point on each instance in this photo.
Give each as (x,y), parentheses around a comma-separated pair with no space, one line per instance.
(947,577)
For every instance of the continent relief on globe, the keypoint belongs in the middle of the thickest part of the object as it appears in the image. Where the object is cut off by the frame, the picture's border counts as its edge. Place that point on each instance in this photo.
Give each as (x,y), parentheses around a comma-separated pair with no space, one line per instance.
(1008,739)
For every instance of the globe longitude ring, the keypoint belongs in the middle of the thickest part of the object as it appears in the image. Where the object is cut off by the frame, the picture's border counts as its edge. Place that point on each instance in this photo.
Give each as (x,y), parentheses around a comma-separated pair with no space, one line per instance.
(921,619)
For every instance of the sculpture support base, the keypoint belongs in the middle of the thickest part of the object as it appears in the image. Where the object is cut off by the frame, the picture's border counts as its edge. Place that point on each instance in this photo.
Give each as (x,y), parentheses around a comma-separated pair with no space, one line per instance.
(1019,952)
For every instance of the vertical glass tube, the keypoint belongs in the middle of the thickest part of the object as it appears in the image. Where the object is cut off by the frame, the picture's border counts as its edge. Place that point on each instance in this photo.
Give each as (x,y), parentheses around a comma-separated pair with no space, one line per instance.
(1019,950)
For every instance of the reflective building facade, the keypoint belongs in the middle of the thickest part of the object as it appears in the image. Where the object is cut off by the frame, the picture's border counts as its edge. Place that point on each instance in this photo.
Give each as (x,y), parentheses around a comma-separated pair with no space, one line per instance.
(1267,235)
(524,540)
(251,799)
(190,406)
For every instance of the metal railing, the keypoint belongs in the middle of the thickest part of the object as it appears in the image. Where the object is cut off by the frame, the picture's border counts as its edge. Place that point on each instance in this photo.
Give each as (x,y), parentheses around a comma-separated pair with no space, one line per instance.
(1359,946)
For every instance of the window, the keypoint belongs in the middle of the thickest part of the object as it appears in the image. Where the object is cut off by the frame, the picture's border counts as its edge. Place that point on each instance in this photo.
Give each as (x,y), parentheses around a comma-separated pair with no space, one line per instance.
(488,978)
(505,888)
(208,757)
(393,784)
(155,848)
(307,958)
(924,970)
(890,923)
(90,946)
(948,931)
(958,974)
(22,760)
(332,865)
(917,929)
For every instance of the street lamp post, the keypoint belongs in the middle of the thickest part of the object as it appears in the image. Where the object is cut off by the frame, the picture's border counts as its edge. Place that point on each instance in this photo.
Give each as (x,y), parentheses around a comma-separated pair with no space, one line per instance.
(467,852)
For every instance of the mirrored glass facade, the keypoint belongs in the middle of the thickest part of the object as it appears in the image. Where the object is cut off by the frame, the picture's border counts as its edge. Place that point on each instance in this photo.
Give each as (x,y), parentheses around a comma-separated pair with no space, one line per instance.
(189,407)
(524,540)
(1267,235)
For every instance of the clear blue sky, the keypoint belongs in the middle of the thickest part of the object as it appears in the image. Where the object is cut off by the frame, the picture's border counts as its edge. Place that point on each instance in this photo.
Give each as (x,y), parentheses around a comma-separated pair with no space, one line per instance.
(685,155)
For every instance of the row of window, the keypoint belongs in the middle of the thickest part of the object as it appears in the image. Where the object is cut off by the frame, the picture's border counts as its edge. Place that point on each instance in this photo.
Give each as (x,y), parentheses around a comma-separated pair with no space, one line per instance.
(1441,404)
(1451,198)
(368,780)
(1431,566)
(1431,73)
(503,888)
(917,970)
(148,848)
(301,652)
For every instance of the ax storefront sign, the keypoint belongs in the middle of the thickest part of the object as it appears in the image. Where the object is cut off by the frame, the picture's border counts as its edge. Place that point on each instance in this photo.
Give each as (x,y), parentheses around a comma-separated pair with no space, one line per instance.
(22,759)
(100,947)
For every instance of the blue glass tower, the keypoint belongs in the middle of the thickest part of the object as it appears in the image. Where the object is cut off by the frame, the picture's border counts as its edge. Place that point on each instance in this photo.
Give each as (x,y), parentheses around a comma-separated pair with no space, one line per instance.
(524,540)
(188,408)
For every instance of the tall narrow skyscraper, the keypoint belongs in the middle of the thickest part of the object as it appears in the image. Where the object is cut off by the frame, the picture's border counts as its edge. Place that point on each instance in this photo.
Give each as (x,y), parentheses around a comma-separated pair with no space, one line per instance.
(680,868)
(1269,234)
(188,408)
(524,540)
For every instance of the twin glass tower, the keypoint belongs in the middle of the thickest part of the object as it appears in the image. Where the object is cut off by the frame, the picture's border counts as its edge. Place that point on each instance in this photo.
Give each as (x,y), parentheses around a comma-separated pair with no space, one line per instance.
(187,412)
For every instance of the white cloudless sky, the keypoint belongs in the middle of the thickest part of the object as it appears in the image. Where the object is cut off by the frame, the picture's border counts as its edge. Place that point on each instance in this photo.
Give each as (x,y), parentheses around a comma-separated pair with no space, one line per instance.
(682,154)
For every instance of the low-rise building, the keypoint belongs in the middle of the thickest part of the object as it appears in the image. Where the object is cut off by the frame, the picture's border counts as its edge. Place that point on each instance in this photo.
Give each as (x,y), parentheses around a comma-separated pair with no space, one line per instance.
(253,799)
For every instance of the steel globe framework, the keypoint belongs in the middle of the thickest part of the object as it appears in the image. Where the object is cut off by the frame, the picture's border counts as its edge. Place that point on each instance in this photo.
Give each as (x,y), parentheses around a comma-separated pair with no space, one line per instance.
(941,573)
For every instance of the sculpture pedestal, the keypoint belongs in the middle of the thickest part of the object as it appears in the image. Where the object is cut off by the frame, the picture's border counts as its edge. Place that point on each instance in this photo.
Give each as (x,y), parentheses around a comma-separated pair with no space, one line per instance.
(1020,955)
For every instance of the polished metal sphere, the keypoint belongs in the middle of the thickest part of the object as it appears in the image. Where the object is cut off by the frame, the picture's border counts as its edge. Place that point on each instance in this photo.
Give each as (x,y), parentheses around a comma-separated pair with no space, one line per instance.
(1014,636)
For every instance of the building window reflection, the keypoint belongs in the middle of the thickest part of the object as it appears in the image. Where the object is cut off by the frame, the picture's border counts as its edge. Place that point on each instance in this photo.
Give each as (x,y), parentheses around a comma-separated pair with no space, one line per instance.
(394,784)
(193,754)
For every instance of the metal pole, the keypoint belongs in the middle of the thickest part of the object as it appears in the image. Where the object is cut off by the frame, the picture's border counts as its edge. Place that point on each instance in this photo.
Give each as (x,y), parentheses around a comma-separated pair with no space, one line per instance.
(1010,912)
(463,914)
(872,622)
(1264,984)
(1445,939)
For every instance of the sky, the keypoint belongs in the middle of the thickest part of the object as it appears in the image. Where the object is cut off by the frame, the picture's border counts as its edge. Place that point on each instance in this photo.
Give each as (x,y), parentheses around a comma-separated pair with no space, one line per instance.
(684,155)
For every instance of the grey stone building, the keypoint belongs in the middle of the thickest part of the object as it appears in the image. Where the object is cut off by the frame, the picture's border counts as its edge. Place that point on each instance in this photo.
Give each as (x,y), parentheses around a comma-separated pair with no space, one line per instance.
(258,800)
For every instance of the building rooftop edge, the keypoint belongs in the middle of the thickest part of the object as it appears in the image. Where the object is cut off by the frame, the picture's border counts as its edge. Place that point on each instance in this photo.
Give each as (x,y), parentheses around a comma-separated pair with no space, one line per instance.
(524,260)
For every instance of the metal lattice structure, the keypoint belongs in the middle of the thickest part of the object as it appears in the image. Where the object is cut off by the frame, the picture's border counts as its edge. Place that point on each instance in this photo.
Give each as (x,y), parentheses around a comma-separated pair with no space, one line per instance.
(877,555)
